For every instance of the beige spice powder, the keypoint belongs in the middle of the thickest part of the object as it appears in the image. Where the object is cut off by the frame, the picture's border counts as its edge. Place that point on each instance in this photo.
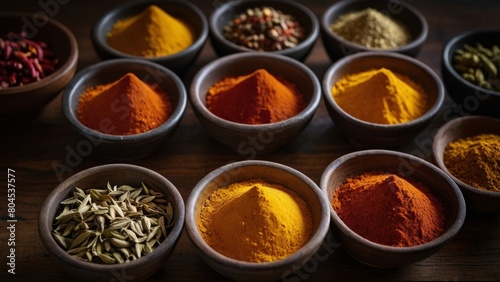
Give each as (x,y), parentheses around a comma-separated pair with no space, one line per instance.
(372,29)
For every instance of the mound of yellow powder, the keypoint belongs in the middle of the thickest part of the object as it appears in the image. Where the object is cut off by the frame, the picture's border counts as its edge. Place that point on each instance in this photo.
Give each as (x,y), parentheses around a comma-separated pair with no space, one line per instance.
(380,96)
(152,33)
(255,221)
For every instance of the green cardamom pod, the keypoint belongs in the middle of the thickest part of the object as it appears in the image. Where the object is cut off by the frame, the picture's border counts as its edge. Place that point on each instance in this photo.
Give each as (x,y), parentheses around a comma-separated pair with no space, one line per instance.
(496,61)
(479,75)
(486,84)
(496,50)
(488,65)
(484,50)
(469,77)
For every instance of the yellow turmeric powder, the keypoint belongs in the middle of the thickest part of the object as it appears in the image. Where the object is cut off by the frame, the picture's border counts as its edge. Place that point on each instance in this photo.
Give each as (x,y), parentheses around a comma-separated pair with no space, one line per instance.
(380,96)
(475,160)
(152,33)
(255,221)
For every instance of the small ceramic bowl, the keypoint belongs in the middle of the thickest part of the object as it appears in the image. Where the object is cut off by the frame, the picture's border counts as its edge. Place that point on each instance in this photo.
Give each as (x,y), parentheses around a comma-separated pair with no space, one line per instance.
(440,184)
(183,10)
(28,100)
(125,147)
(248,138)
(375,135)
(338,47)
(478,200)
(137,270)
(226,12)
(271,173)
(469,97)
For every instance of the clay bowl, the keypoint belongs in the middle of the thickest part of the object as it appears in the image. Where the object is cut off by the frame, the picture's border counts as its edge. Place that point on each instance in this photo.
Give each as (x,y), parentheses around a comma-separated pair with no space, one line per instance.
(338,47)
(271,173)
(124,147)
(375,135)
(227,11)
(183,10)
(469,97)
(478,200)
(26,101)
(438,182)
(136,270)
(266,137)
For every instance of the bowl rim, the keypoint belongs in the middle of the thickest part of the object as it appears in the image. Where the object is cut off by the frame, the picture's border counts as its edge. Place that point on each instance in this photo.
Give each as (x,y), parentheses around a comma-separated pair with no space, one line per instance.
(98,29)
(61,71)
(83,76)
(446,55)
(202,246)
(441,239)
(428,115)
(417,41)
(233,59)
(454,123)
(308,40)
(54,248)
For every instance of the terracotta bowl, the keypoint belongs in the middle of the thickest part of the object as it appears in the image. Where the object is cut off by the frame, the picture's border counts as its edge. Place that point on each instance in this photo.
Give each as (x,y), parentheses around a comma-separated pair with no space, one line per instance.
(478,200)
(249,139)
(338,47)
(136,270)
(469,97)
(226,12)
(440,184)
(375,135)
(27,101)
(125,147)
(272,173)
(182,10)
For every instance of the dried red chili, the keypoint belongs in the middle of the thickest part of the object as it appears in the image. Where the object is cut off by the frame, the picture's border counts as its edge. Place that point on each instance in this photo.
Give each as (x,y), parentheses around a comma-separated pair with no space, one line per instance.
(24,61)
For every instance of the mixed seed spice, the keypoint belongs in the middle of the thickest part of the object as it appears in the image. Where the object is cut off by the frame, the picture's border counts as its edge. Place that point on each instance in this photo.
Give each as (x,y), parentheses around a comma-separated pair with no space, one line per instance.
(23,60)
(264,29)
(113,225)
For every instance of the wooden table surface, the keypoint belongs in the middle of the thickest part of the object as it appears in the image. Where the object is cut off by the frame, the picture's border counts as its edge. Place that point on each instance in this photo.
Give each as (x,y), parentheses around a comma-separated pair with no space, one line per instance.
(31,149)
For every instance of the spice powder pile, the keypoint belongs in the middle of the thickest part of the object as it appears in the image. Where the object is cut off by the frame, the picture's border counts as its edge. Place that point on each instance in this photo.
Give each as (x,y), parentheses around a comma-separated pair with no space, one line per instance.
(124,107)
(390,210)
(372,29)
(475,160)
(255,221)
(152,33)
(381,96)
(257,98)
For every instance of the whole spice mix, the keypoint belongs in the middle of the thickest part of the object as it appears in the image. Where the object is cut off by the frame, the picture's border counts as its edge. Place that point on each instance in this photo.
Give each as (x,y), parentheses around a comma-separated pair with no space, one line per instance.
(388,209)
(124,107)
(479,65)
(23,60)
(475,160)
(152,33)
(114,224)
(372,29)
(380,96)
(264,29)
(255,221)
(257,98)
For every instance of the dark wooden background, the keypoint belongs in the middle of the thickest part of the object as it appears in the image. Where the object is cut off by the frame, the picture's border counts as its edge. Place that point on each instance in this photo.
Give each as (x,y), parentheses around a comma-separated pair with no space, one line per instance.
(31,149)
